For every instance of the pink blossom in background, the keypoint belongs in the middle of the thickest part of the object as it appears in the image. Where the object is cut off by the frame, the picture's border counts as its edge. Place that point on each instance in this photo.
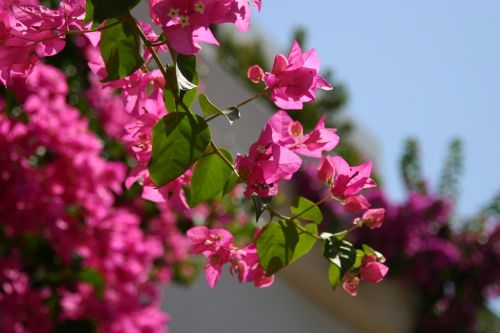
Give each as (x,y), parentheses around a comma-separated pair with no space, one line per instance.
(293,81)
(76,215)
(30,32)
(109,107)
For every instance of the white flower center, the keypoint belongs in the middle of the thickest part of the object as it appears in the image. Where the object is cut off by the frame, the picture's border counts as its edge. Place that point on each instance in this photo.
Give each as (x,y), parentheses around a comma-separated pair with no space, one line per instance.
(173,13)
(184,21)
(199,7)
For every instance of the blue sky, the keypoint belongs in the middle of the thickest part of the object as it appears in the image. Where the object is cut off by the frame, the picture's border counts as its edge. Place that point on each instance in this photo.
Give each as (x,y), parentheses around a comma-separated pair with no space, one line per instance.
(428,69)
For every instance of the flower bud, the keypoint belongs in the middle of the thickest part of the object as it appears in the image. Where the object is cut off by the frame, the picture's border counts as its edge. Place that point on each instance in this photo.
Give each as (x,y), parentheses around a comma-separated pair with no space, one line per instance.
(255,73)
(356,203)
(373,218)
(371,270)
(325,170)
(350,283)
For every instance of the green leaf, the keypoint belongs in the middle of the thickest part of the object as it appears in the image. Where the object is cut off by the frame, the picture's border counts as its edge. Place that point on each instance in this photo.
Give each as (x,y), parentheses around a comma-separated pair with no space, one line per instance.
(100,10)
(209,109)
(209,177)
(359,258)
(341,235)
(94,278)
(334,275)
(371,251)
(187,78)
(307,210)
(260,205)
(169,94)
(89,12)
(179,140)
(231,183)
(338,251)
(367,249)
(189,96)
(120,50)
(281,243)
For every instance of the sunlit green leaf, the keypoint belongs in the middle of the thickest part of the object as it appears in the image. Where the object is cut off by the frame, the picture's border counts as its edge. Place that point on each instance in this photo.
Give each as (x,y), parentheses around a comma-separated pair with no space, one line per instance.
(282,242)
(209,177)
(121,51)
(307,210)
(179,140)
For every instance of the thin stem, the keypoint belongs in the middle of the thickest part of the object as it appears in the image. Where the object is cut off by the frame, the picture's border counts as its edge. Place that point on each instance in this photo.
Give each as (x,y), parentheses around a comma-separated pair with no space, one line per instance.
(275,213)
(354,227)
(259,94)
(212,117)
(307,231)
(104,27)
(310,207)
(221,155)
(149,46)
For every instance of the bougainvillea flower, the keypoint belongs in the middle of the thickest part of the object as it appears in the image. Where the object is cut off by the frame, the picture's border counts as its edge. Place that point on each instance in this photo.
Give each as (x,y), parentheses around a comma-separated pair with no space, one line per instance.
(371,270)
(290,134)
(350,283)
(215,245)
(27,32)
(356,203)
(186,23)
(266,165)
(345,180)
(373,218)
(255,73)
(245,262)
(294,80)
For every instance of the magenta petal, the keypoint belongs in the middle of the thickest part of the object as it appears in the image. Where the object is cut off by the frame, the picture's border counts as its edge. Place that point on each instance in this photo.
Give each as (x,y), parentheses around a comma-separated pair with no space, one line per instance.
(181,39)
(322,83)
(198,234)
(212,275)
(204,35)
(280,64)
(295,56)
(280,123)
(258,4)
(310,59)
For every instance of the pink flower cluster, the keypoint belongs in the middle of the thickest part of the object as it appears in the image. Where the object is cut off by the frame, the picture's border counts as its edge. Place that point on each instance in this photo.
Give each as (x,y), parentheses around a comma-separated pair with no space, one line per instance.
(140,107)
(274,156)
(217,246)
(186,23)
(293,80)
(44,195)
(371,270)
(346,182)
(29,31)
